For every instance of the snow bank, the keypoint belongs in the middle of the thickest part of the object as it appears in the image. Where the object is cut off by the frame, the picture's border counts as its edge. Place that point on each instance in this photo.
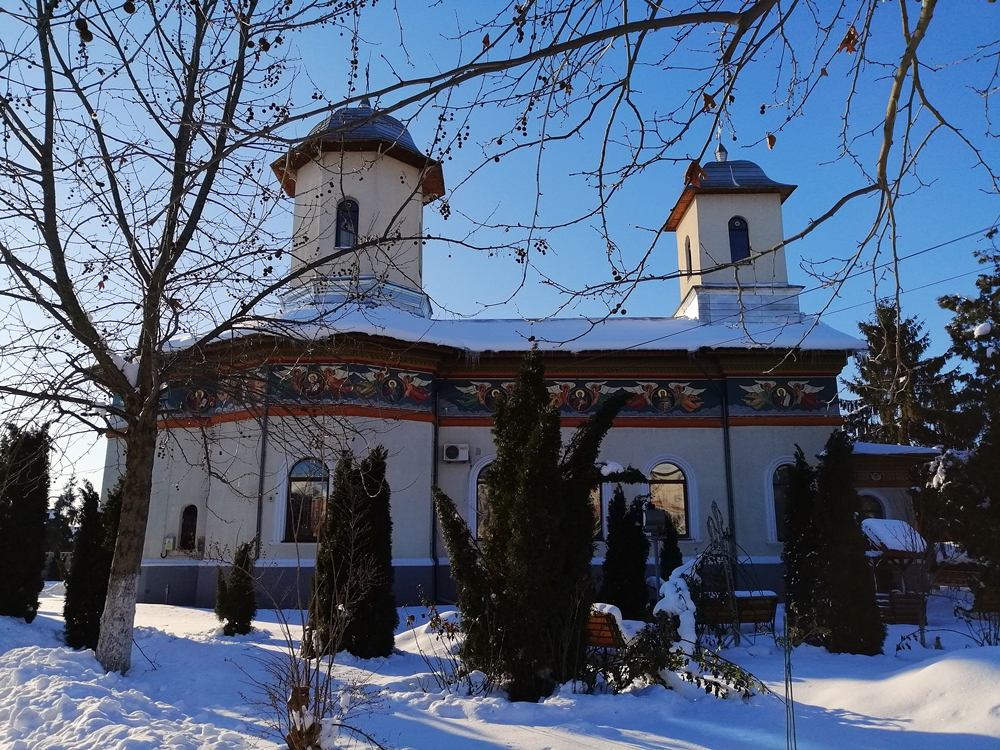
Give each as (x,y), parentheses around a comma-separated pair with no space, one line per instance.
(59,698)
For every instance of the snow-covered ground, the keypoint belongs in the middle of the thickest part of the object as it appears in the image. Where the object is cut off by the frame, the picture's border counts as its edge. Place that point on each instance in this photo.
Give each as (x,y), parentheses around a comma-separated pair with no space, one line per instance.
(191,687)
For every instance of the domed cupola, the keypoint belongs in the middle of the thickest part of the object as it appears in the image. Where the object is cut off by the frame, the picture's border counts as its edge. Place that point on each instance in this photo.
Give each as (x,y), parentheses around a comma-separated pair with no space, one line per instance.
(359,183)
(727,221)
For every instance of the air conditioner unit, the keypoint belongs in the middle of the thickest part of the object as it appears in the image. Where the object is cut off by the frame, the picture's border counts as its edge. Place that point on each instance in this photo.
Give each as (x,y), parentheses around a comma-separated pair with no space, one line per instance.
(454,452)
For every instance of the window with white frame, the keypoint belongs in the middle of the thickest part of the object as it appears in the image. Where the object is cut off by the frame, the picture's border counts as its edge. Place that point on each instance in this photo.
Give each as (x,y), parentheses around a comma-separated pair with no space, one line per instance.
(739,239)
(347,223)
(870,507)
(308,489)
(668,491)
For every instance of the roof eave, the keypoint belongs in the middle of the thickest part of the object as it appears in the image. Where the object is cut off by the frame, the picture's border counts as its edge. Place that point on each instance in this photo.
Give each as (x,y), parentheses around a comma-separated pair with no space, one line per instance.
(285,167)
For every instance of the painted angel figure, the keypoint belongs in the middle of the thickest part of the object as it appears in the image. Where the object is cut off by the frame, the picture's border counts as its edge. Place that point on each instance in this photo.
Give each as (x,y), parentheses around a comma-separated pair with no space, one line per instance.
(805,394)
(559,393)
(477,389)
(415,387)
(337,381)
(643,395)
(687,396)
(597,390)
(759,394)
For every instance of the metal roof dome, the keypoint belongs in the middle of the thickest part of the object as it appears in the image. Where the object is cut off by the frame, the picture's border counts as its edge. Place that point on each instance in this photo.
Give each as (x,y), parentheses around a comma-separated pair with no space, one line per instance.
(739,176)
(370,127)
(361,128)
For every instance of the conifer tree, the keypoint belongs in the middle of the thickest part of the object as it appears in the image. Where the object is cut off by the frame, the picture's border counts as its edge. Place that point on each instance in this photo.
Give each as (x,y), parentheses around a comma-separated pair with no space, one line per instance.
(830,589)
(845,608)
(90,566)
(624,581)
(801,552)
(670,549)
(63,516)
(235,600)
(24,502)
(958,502)
(370,633)
(352,604)
(906,397)
(525,625)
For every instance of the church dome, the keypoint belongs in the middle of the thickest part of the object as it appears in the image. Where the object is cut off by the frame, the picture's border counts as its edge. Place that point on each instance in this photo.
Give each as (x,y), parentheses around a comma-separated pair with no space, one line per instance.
(360,128)
(361,123)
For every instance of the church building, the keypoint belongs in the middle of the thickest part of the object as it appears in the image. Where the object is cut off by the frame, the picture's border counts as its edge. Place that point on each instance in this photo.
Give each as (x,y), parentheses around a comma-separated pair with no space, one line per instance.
(719,393)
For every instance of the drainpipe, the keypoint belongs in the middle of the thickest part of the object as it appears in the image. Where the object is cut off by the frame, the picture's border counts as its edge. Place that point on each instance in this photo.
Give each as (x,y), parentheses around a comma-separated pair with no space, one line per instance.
(260,476)
(434,480)
(727,453)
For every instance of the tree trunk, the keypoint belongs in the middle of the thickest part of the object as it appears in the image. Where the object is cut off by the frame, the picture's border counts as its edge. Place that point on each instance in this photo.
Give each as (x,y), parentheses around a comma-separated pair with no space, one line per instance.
(114,648)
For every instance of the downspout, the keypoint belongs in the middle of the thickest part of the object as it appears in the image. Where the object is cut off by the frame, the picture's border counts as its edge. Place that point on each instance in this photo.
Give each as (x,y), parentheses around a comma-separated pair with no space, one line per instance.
(727,454)
(260,476)
(435,563)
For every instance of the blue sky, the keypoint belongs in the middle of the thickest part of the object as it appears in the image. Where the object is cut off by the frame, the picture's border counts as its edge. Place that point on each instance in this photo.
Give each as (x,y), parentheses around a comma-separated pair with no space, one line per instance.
(953,202)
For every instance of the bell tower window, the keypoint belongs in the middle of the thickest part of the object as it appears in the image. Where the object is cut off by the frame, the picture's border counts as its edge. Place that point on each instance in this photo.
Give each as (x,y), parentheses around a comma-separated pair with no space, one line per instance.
(739,239)
(347,223)
(688,265)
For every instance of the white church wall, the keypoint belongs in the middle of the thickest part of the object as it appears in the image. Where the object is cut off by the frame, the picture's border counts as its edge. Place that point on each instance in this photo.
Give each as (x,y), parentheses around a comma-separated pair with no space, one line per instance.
(707,224)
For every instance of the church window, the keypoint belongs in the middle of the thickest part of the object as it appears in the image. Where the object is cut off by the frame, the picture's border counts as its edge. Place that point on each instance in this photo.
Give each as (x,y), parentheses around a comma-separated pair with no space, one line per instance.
(668,490)
(688,265)
(189,527)
(482,502)
(739,239)
(870,507)
(599,497)
(347,223)
(308,486)
(779,495)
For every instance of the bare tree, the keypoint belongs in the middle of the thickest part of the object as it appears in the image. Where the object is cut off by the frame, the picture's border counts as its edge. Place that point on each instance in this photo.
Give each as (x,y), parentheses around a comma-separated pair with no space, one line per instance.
(136,202)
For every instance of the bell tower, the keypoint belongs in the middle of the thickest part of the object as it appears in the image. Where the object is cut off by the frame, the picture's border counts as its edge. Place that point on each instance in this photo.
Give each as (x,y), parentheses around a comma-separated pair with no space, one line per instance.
(360,185)
(728,222)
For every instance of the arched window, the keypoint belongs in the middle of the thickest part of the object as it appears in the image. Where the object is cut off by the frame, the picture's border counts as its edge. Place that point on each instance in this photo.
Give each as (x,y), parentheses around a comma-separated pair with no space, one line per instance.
(189,527)
(482,502)
(308,486)
(668,491)
(689,266)
(779,496)
(347,223)
(869,507)
(739,239)
(599,497)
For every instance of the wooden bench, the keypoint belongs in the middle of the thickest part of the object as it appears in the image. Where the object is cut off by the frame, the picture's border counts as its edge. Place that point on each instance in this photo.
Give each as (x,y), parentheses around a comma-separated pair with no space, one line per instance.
(902,609)
(758,610)
(945,577)
(603,632)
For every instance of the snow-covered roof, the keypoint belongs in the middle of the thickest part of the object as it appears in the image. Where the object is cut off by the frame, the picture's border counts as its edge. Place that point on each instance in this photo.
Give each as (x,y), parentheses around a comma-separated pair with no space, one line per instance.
(880,449)
(894,536)
(550,334)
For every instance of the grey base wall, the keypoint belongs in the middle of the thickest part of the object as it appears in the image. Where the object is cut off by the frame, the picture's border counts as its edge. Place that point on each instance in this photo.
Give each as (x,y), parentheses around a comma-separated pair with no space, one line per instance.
(288,588)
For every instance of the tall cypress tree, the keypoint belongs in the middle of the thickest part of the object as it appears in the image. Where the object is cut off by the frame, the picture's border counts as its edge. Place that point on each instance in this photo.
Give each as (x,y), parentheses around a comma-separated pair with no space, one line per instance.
(235,600)
(670,549)
(24,503)
(352,604)
(525,591)
(801,553)
(370,633)
(90,566)
(845,608)
(624,583)
(830,589)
